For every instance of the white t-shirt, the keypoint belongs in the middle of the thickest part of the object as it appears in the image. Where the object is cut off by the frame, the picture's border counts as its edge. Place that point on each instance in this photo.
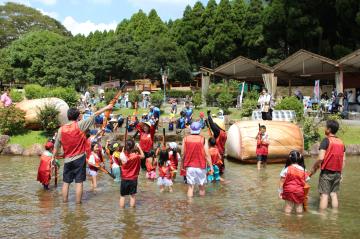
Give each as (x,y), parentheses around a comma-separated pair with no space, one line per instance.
(264,100)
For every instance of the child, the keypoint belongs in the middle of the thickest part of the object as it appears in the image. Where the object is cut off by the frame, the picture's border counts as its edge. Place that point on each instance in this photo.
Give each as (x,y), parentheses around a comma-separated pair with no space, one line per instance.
(202,120)
(171,122)
(181,121)
(130,169)
(216,161)
(147,134)
(174,158)
(151,167)
(94,162)
(115,162)
(164,179)
(292,182)
(262,146)
(44,171)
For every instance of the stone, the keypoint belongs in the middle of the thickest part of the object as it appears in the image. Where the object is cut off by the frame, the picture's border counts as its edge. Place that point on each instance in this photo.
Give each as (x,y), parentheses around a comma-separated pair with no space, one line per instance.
(34,150)
(4,139)
(13,149)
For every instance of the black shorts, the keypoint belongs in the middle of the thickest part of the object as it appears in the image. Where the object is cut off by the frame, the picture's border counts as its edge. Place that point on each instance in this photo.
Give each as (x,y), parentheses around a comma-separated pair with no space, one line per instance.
(128,187)
(262,158)
(75,170)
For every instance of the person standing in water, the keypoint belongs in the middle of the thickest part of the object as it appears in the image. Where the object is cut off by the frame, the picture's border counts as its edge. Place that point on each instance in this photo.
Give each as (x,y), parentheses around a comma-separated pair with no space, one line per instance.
(262,147)
(71,137)
(331,161)
(44,171)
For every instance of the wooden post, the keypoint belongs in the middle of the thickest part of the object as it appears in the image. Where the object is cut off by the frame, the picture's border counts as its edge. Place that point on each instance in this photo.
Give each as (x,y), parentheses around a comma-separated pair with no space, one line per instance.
(290,87)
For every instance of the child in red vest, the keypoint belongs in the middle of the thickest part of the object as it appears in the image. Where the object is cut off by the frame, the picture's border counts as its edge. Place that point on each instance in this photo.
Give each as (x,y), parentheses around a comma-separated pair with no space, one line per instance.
(262,145)
(151,167)
(174,158)
(147,133)
(165,169)
(292,182)
(131,162)
(44,170)
(94,161)
(216,161)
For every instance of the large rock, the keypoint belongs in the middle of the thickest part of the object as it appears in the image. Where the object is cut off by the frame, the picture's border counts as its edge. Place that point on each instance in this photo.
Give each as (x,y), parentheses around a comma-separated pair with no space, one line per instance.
(31,108)
(353,149)
(13,149)
(4,139)
(34,150)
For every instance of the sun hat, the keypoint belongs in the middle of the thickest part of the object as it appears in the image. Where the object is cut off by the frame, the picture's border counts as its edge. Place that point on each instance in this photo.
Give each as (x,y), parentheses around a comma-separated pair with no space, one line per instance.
(220,123)
(195,128)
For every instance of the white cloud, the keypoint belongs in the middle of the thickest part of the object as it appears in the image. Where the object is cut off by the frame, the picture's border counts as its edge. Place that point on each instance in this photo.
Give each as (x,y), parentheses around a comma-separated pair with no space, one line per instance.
(86,27)
(47,2)
(50,14)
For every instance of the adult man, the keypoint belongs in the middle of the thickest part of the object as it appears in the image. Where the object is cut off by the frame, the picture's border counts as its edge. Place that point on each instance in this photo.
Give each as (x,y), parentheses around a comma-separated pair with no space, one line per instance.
(265,105)
(195,157)
(5,98)
(331,161)
(73,141)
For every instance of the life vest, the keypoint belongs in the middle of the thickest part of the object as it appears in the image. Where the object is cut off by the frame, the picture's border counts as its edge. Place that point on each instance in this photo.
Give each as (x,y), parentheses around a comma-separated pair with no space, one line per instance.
(115,160)
(150,166)
(130,170)
(146,141)
(164,171)
(174,161)
(294,183)
(261,148)
(194,152)
(215,157)
(44,170)
(73,140)
(334,155)
(220,142)
(97,161)
(88,148)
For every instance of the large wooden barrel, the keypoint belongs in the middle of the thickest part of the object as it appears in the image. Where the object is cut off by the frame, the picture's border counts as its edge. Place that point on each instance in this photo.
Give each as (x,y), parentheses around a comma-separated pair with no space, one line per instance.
(31,108)
(283,136)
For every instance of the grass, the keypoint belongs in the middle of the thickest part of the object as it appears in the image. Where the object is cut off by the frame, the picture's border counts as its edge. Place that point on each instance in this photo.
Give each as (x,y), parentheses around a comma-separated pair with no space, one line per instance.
(348,134)
(29,138)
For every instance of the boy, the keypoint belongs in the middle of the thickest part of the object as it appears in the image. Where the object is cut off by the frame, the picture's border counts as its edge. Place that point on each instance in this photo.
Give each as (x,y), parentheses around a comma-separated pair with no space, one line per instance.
(130,169)
(331,162)
(262,146)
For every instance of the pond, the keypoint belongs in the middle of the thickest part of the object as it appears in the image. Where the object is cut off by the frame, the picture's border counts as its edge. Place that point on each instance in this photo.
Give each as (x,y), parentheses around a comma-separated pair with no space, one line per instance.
(246,207)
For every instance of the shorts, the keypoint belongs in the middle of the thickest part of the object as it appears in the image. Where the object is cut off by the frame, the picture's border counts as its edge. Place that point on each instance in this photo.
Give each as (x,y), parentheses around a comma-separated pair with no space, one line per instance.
(195,176)
(92,172)
(128,187)
(75,170)
(164,182)
(329,182)
(262,158)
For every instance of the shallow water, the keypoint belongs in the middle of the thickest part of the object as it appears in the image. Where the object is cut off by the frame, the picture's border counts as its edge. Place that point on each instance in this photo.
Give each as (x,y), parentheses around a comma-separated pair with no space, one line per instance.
(247,207)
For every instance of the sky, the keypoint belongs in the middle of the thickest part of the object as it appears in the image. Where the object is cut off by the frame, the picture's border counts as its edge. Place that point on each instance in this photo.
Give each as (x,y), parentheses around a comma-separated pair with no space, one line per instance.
(84,16)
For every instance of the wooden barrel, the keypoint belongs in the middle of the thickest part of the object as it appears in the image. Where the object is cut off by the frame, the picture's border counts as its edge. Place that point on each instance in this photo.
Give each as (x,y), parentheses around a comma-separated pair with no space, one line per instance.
(32,107)
(283,137)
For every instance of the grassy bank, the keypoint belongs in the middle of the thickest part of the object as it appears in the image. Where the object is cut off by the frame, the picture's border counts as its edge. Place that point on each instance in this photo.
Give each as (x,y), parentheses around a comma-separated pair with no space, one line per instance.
(29,138)
(349,134)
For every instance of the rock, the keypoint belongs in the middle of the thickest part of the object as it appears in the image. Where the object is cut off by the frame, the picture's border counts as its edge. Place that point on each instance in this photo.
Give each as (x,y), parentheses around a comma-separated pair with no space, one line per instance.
(34,150)
(314,150)
(353,149)
(13,149)
(4,139)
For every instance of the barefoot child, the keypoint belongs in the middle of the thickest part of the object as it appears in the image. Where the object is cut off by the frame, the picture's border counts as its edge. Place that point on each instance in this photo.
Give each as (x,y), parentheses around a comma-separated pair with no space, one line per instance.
(115,162)
(94,162)
(131,162)
(151,167)
(262,146)
(174,158)
(44,171)
(292,182)
(164,179)
(216,161)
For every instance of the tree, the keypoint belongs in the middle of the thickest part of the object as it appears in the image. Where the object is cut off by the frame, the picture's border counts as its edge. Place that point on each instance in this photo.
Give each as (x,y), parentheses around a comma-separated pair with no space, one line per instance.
(17,20)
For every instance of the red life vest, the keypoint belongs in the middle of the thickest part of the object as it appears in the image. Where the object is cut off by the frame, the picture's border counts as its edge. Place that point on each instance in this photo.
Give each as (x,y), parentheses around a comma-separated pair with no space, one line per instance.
(174,161)
(150,166)
(164,171)
(146,142)
(334,155)
(88,148)
(293,188)
(220,142)
(97,161)
(194,152)
(44,170)
(215,156)
(73,140)
(261,148)
(130,170)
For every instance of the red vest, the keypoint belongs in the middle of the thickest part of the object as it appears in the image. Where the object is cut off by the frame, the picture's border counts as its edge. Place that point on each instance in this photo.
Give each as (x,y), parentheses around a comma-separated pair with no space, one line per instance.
(220,142)
(97,161)
(146,142)
(194,152)
(164,172)
(261,148)
(173,160)
(44,171)
(73,140)
(150,166)
(215,156)
(88,148)
(130,170)
(334,155)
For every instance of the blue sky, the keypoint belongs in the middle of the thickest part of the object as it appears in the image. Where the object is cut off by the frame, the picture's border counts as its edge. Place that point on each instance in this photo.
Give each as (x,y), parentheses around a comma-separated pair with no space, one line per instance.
(83,16)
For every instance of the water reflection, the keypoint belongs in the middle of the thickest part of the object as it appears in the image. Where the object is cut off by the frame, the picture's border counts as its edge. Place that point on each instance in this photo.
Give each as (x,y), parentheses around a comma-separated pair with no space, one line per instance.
(74,222)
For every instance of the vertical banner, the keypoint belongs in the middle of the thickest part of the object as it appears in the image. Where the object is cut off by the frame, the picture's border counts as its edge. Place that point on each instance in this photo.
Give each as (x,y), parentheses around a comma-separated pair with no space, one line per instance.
(317,90)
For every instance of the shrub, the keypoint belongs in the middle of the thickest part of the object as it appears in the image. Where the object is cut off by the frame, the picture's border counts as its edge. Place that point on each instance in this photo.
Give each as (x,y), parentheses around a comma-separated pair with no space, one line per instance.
(253,95)
(16,95)
(157,98)
(225,100)
(197,99)
(12,120)
(109,95)
(48,116)
(247,107)
(311,132)
(178,93)
(69,95)
(292,103)
(34,91)
(134,96)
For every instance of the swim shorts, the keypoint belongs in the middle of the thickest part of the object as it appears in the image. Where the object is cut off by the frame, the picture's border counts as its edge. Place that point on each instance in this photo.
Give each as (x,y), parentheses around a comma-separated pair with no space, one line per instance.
(196,176)
(75,170)
(329,182)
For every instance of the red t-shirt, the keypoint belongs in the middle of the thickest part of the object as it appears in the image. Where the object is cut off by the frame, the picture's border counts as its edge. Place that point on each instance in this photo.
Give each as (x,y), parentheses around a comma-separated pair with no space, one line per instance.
(130,170)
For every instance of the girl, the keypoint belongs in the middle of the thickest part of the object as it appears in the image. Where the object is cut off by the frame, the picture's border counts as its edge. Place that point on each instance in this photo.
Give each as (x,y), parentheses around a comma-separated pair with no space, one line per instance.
(151,167)
(174,158)
(216,161)
(147,133)
(94,162)
(44,171)
(164,179)
(115,162)
(292,183)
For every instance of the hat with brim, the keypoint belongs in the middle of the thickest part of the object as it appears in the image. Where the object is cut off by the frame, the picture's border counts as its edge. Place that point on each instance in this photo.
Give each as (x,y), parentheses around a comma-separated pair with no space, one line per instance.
(220,123)
(142,124)
(195,128)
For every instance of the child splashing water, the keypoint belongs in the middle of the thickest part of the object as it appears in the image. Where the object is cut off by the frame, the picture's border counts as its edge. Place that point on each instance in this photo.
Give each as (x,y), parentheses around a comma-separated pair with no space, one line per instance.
(292,182)
(164,179)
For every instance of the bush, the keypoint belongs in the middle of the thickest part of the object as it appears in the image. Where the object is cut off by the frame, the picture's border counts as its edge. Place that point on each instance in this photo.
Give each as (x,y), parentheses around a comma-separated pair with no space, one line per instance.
(69,95)
(48,116)
(109,95)
(34,91)
(225,101)
(157,98)
(292,103)
(311,132)
(16,95)
(178,93)
(247,107)
(134,96)
(12,120)
(253,95)
(197,99)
